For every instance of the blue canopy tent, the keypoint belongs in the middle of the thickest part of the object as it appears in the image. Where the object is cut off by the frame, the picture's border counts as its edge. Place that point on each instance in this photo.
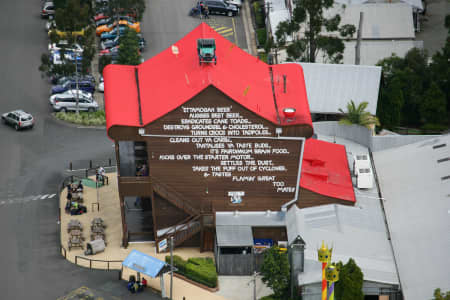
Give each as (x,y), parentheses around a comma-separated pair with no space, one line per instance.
(147,265)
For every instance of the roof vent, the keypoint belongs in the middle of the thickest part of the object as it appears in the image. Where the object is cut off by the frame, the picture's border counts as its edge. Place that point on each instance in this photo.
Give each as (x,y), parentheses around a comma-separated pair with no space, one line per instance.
(289,113)
(236,213)
(268,212)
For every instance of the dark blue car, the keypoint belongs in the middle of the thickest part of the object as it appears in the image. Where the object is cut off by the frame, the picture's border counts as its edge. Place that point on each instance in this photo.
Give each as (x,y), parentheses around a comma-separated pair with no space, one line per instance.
(84,85)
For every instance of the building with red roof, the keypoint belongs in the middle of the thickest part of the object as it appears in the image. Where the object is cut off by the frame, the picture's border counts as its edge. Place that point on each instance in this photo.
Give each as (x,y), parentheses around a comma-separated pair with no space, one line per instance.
(193,138)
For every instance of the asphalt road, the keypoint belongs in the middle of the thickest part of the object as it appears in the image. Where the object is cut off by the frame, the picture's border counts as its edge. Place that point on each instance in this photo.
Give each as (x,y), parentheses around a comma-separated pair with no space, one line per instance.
(165,22)
(31,163)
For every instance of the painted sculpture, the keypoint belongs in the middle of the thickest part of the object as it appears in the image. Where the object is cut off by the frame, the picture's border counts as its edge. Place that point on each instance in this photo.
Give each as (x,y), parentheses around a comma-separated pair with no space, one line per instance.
(324,256)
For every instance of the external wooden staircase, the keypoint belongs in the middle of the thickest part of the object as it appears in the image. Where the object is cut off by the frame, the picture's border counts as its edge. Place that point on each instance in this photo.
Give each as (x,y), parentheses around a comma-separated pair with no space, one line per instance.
(186,228)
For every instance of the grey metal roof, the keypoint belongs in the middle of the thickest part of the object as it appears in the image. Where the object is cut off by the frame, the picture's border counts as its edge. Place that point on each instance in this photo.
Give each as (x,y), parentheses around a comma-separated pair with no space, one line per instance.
(380,21)
(332,86)
(414,3)
(352,231)
(374,51)
(234,236)
(278,13)
(251,218)
(417,205)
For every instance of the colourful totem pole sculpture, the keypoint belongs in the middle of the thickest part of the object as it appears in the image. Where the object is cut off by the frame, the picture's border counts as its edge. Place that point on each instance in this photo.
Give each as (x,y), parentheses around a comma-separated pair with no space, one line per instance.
(324,254)
(331,275)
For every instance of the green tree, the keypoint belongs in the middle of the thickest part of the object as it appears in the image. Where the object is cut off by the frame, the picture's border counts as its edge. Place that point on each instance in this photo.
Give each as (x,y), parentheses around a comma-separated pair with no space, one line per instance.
(122,7)
(351,278)
(103,62)
(129,48)
(437,295)
(275,272)
(73,16)
(319,32)
(390,104)
(433,108)
(357,115)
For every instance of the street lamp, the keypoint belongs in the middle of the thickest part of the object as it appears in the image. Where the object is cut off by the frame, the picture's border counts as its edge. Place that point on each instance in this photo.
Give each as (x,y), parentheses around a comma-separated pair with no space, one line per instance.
(76,80)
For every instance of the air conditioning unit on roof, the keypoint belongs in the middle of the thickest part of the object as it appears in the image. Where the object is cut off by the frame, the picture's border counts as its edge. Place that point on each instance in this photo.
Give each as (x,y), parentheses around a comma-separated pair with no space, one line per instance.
(362,169)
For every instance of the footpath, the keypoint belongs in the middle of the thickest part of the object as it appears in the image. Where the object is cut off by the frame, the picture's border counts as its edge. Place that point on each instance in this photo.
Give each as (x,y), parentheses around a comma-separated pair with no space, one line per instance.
(114,254)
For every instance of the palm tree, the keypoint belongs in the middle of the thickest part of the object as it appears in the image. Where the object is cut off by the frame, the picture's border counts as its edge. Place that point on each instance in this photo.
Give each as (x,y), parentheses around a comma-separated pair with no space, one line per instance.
(357,115)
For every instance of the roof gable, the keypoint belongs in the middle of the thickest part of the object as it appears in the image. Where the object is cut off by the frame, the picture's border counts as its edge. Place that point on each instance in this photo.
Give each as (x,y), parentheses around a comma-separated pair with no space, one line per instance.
(174,76)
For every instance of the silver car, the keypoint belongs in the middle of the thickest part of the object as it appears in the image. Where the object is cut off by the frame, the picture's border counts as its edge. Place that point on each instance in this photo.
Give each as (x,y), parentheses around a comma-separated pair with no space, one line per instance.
(69,94)
(18,119)
(70,104)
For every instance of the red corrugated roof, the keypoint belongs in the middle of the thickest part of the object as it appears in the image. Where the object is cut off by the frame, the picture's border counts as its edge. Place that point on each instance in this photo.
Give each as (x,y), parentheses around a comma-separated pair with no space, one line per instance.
(168,80)
(325,170)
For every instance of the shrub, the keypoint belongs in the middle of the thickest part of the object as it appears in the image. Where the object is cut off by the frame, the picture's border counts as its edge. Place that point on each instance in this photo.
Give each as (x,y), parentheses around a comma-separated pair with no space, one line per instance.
(262,34)
(84,118)
(201,270)
(178,263)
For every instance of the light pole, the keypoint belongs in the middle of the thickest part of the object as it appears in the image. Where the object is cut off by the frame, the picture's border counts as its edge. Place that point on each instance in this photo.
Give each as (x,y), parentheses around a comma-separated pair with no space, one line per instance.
(171,266)
(76,80)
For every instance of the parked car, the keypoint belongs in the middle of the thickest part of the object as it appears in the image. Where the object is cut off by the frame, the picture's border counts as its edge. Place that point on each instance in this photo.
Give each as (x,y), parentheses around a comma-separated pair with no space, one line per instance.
(65,44)
(55,57)
(48,9)
(59,80)
(70,104)
(113,33)
(106,44)
(238,3)
(101,86)
(107,21)
(69,94)
(106,28)
(84,85)
(63,79)
(65,34)
(50,24)
(221,7)
(18,119)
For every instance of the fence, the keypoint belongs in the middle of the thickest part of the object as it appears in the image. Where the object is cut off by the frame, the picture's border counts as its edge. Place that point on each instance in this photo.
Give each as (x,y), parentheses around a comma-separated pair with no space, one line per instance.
(103,263)
(239,264)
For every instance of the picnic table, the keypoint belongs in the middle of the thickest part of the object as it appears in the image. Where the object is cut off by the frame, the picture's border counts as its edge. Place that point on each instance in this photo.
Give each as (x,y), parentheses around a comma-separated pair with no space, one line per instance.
(97,222)
(75,241)
(77,233)
(98,229)
(74,225)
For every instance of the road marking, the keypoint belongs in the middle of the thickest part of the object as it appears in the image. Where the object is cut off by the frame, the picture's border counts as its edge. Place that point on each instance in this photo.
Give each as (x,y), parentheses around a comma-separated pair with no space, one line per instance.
(226,30)
(220,28)
(51,196)
(36,197)
(3,202)
(45,196)
(234,30)
(228,34)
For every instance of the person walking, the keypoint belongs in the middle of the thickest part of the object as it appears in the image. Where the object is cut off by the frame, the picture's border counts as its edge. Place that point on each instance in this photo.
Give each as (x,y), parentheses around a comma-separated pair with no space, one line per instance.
(206,11)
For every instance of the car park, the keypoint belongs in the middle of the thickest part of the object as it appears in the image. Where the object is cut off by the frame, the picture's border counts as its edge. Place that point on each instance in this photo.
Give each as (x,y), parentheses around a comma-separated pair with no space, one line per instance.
(63,44)
(84,85)
(48,9)
(70,104)
(221,8)
(70,94)
(18,119)
(113,33)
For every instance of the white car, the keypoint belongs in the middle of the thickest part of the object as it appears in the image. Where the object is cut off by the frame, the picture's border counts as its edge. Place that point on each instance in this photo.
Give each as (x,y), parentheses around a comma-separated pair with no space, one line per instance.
(71,94)
(70,104)
(101,87)
(64,44)
(238,3)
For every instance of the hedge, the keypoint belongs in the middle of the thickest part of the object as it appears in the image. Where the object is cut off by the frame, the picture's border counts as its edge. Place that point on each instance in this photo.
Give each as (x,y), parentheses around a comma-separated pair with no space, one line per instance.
(84,118)
(201,270)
